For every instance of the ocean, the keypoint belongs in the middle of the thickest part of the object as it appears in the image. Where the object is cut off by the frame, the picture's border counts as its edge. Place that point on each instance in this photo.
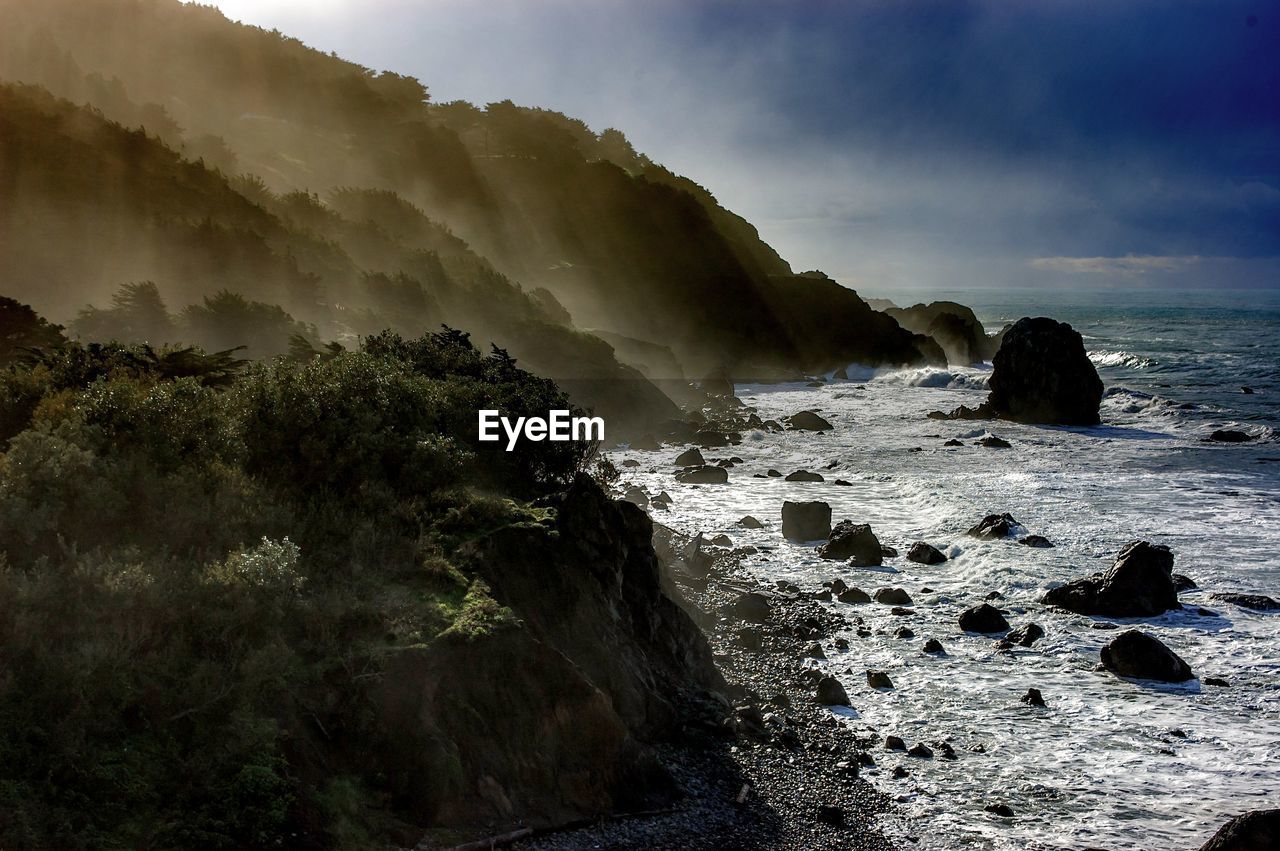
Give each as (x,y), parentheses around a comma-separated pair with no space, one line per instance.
(1108,763)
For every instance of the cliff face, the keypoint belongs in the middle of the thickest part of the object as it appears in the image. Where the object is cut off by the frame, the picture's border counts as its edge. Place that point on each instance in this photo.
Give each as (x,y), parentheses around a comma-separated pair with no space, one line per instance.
(551,719)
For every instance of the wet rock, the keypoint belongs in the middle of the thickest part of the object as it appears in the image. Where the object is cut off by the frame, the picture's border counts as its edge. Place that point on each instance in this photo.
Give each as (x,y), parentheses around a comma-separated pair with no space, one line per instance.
(892,597)
(933,645)
(808,421)
(842,483)
(815,651)
(1182,582)
(841,643)
(1256,830)
(904,632)
(888,551)
(831,693)
(722,541)
(1257,602)
(830,815)
(631,462)
(1142,656)
(1002,810)
(1228,435)
(921,750)
(1040,542)
(1139,584)
(901,611)
(953,442)
(922,553)
(804,476)
(636,496)
(773,474)
(879,679)
(894,743)
(853,541)
(750,522)
(1215,681)
(837,586)
(983,618)
(1248,391)
(899,772)
(1033,697)
(1041,374)
(751,606)
(690,458)
(749,638)
(854,595)
(806,521)
(824,595)
(993,595)
(703,476)
(993,442)
(1025,635)
(994,526)
(710,439)
(663,499)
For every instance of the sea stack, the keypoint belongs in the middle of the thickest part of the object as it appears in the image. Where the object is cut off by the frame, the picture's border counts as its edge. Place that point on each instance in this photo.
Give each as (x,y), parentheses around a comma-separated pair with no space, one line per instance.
(1043,375)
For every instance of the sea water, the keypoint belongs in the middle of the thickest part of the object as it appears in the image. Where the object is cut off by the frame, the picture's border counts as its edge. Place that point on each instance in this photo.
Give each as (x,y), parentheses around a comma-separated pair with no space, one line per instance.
(1109,763)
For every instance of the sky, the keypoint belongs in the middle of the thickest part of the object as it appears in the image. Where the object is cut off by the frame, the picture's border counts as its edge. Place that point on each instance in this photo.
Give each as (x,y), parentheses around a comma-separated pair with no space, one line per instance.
(897,144)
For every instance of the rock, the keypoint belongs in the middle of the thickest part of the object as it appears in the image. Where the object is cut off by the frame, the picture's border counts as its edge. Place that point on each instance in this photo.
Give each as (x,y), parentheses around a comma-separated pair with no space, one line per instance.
(983,618)
(815,651)
(892,597)
(842,483)
(841,643)
(993,442)
(750,522)
(899,610)
(829,814)
(953,442)
(1142,656)
(831,693)
(773,474)
(933,645)
(1215,681)
(1040,542)
(804,476)
(854,541)
(899,772)
(663,498)
(1033,697)
(921,750)
(1248,391)
(631,462)
(806,521)
(854,595)
(749,638)
(1025,635)
(879,679)
(1256,830)
(703,476)
(1139,584)
(823,595)
(893,743)
(722,541)
(690,458)
(1227,435)
(1257,602)
(709,439)
(837,586)
(751,606)
(922,553)
(808,421)
(636,496)
(994,526)
(1041,374)
(887,551)
(1182,582)
(904,632)
(1002,810)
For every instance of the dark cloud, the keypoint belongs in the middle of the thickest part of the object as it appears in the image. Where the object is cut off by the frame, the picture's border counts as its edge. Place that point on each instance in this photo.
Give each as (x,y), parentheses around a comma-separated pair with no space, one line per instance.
(897,143)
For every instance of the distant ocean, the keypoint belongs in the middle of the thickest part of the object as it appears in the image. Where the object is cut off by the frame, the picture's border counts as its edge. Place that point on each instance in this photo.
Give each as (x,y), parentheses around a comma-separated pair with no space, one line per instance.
(1109,763)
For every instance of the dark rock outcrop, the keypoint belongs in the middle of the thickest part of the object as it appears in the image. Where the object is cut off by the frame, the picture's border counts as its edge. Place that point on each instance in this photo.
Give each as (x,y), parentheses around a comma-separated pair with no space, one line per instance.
(808,421)
(856,541)
(703,476)
(922,553)
(1139,584)
(1043,375)
(1039,542)
(804,476)
(1227,435)
(983,618)
(853,595)
(831,693)
(952,326)
(749,522)
(751,606)
(892,597)
(1256,830)
(994,526)
(806,521)
(1025,635)
(1142,656)
(690,458)
(1033,697)
(1257,602)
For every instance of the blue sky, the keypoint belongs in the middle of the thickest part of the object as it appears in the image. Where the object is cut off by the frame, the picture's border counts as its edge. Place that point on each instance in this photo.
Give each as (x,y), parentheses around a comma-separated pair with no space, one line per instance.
(898,144)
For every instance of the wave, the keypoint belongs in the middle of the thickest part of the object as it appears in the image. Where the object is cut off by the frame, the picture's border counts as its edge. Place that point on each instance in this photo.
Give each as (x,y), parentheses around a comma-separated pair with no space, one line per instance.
(1126,360)
(930,376)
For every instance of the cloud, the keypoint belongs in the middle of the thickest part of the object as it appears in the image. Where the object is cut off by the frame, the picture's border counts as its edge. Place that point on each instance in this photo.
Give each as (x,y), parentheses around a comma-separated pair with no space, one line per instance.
(1128,265)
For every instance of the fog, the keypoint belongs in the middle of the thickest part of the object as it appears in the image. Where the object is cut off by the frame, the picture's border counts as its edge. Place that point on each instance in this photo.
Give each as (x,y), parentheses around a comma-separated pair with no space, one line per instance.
(896,145)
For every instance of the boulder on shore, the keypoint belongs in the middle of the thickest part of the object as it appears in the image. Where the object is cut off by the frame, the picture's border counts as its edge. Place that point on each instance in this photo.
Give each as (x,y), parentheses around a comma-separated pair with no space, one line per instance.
(1257,602)
(1142,656)
(831,692)
(983,618)
(1256,830)
(994,526)
(804,476)
(1025,635)
(849,540)
(808,421)
(749,522)
(690,458)
(806,521)
(751,606)
(703,476)
(1228,435)
(1139,584)
(892,597)
(1042,374)
(922,553)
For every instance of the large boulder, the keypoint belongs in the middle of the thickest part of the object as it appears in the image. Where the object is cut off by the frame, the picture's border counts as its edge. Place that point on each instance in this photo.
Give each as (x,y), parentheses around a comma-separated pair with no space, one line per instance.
(1256,830)
(952,326)
(808,421)
(806,521)
(804,476)
(1257,602)
(994,526)
(849,540)
(1043,375)
(983,618)
(690,458)
(922,553)
(1139,584)
(703,476)
(1144,657)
